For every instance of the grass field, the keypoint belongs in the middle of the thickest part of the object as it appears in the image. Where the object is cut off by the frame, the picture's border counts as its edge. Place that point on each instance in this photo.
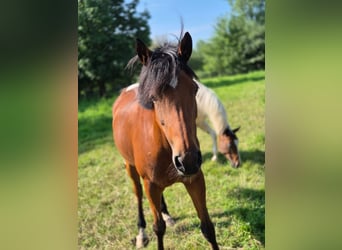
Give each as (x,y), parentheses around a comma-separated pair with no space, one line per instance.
(235,197)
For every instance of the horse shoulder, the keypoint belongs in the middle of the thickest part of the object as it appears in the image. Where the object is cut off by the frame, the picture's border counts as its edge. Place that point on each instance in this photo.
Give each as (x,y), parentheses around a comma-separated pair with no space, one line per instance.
(123,121)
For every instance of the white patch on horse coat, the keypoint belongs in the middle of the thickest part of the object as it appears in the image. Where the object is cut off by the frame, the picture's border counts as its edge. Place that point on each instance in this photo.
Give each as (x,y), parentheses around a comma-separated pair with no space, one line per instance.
(168,220)
(132,86)
(141,238)
(209,106)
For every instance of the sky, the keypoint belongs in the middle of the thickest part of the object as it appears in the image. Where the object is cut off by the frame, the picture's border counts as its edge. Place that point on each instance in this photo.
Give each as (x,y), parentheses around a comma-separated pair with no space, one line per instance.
(199,17)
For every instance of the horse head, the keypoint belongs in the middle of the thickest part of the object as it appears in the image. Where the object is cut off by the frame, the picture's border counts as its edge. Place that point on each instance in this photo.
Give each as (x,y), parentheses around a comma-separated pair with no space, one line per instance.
(167,87)
(228,146)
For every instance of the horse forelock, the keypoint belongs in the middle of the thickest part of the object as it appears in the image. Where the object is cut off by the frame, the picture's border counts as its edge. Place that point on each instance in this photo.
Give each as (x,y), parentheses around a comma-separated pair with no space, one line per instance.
(160,72)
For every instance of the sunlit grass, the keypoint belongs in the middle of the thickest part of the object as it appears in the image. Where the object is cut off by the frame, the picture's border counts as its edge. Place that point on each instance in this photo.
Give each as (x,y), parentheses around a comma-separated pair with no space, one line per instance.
(235,197)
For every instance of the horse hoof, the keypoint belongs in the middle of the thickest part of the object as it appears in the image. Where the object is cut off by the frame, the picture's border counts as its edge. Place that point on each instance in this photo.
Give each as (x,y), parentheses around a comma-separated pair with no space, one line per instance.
(214,158)
(141,240)
(170,222)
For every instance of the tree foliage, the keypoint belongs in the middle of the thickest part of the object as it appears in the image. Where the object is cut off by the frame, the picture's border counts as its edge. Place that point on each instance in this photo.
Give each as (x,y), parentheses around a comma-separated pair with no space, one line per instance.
(106,36)
(238,45)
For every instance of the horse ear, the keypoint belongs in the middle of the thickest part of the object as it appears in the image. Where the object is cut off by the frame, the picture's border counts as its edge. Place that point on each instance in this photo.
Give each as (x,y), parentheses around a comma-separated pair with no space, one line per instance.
(236,130)
(185,47)
(143,52)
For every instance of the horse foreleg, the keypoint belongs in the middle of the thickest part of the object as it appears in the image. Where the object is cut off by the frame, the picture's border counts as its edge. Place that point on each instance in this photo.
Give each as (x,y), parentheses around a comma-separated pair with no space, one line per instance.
(165,213)
(196,190)
(206,128)
(154,195)
(141,240)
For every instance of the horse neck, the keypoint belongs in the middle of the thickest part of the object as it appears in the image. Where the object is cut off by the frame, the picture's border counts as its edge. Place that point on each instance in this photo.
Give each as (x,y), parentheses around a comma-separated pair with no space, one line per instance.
(210,106)
(218,120)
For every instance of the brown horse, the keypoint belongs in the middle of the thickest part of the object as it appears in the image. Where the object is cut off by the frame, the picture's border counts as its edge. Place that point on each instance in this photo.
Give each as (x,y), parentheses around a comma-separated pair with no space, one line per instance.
(155,132)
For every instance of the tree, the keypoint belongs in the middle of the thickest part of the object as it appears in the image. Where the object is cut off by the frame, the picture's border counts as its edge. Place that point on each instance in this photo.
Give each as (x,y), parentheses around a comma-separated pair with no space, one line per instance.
(106,36)
(238,44)
(247,33)
(253,10)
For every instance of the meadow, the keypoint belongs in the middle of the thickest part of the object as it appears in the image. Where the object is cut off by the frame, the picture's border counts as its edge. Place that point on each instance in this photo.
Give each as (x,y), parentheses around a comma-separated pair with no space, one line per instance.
(107,209)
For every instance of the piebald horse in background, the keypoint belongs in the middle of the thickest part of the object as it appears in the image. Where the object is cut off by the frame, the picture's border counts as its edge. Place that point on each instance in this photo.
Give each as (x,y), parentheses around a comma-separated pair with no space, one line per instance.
(210,107)
(154,127)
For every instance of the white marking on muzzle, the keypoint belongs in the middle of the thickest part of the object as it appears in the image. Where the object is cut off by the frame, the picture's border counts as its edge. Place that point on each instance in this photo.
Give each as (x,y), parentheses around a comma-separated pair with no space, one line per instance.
(236,144)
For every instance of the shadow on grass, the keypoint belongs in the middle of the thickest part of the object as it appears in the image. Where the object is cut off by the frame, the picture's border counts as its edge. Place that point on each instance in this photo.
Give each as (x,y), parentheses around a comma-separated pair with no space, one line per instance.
(206,156)
(255,156)
(221,159)
(85,103)
(93,132)
(228,82)
(251,211)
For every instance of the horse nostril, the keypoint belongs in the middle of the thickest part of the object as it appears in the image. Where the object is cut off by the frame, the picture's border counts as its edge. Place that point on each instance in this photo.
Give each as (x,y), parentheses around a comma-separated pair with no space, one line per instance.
(179,163)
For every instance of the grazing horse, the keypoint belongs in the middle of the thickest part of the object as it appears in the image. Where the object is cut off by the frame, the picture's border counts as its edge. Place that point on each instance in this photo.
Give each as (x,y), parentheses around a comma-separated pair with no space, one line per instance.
(154,128)
(210,107)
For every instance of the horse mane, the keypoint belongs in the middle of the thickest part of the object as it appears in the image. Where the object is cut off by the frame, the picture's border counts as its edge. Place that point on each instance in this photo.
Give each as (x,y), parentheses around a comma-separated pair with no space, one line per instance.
(209,105)
(160,72)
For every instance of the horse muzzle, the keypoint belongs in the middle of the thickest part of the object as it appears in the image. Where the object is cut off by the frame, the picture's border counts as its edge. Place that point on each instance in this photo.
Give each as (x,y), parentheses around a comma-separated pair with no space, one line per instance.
(235,163)
(188,163)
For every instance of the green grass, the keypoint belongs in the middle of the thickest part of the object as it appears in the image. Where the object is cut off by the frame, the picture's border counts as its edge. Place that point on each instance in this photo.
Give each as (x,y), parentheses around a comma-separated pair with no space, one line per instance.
(235,197)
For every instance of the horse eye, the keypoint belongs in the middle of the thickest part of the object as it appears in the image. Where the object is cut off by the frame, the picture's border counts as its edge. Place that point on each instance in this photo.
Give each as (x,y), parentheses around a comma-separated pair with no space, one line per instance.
(162,122)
